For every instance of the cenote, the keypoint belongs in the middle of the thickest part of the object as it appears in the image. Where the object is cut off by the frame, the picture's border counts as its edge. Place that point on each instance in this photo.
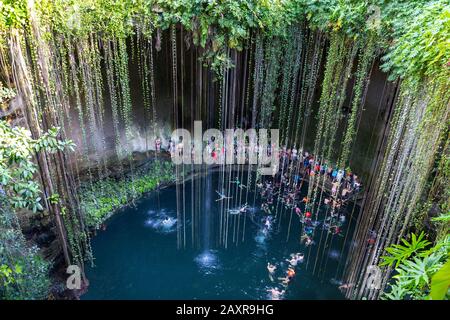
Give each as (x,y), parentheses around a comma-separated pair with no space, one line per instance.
(137,255)
(128,129)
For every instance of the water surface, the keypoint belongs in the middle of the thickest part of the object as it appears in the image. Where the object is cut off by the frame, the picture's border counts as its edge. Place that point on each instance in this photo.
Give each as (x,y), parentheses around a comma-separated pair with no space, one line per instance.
(136,257)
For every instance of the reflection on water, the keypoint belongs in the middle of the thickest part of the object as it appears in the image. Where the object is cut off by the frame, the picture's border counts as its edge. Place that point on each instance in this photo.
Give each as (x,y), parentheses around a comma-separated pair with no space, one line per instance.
(137,257)
(208,262)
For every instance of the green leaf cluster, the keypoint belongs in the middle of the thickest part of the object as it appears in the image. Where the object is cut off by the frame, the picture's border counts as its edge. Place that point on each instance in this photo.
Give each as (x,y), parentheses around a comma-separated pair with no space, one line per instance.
(420,273)
(17,165)
(101,199)
(24,274)
(415,33)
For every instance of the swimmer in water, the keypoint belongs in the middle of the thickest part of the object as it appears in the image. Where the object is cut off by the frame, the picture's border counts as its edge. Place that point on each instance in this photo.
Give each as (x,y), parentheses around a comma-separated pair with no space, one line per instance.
(242,209)
(167,221)
(290,273)
(239,184)
(265,207)
(267,223)
(222,196)
(345,286)
(275,294)
(307,239)
(271,268)
(292,261)
(285,280)
(295,259)
(233,211)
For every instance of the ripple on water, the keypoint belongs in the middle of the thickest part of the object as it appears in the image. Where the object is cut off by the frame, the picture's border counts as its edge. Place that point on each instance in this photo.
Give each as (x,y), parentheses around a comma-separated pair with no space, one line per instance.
(334,254)
(208,262)
(161,221)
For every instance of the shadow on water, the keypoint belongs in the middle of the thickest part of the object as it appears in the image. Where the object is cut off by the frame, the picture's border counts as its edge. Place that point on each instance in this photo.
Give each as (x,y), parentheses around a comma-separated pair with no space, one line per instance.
(136,257)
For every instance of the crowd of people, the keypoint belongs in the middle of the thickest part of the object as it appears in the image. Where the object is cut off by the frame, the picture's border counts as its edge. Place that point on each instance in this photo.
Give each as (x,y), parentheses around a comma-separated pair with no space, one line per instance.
(275,292)
(295,165)
(283,190)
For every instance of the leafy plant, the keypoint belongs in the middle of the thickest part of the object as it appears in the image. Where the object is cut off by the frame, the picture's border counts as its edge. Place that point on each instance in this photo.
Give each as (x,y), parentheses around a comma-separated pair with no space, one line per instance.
(104,197)
(416,271)
(396,293)
(5,94)
(54,198)
(422,49)
(23,272)
(399,253)
(217,25)
(440,282)
(420,274)
(442,218)
(17,168)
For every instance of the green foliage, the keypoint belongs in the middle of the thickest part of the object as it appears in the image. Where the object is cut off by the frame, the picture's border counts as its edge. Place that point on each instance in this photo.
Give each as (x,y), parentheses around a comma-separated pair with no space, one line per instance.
(418,270)
(401,252)
(348,16)
(54,198)
(440,282)
(443,218)
(17,168)
(396,293)
(5,94)
(439,194)
(13,13)
(414,33)
(25,280)
(23,273)
(365,59)
(420,44)
(101,199)
(7,274)
(423,49)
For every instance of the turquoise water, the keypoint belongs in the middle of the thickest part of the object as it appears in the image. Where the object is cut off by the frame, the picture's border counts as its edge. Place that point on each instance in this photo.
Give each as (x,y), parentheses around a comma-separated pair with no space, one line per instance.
(136,257)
